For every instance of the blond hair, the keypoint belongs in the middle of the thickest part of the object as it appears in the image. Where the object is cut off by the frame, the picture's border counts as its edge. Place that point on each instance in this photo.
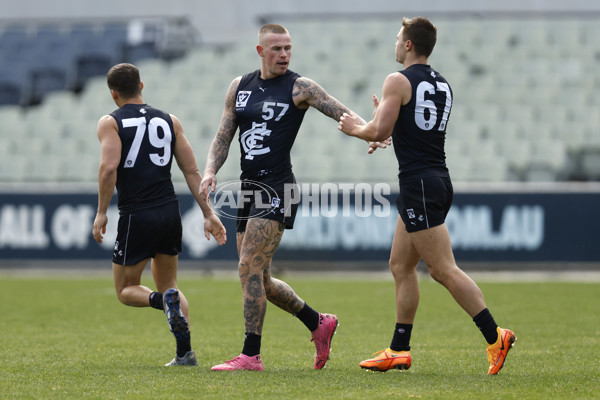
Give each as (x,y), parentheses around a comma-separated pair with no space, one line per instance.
(271,28)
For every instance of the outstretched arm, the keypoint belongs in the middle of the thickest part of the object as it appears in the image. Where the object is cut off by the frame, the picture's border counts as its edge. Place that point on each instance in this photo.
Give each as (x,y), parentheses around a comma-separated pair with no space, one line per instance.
(396,93)
(219,148)
(308,93)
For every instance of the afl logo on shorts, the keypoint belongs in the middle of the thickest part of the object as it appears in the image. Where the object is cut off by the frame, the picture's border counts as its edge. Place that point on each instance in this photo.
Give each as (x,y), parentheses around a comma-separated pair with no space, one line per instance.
(411,213)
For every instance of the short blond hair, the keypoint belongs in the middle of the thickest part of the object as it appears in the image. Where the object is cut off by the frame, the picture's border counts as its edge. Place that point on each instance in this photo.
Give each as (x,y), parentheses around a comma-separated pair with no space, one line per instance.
(271,28)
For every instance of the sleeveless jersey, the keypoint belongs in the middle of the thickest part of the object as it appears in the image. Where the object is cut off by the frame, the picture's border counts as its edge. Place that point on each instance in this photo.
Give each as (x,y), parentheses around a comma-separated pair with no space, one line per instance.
(420,131)
(269,122)
(144,172)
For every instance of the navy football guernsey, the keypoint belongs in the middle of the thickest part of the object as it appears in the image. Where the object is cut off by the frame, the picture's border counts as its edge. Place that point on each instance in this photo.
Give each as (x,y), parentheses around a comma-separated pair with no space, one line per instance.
(420,130)
(144,172)
(269,122)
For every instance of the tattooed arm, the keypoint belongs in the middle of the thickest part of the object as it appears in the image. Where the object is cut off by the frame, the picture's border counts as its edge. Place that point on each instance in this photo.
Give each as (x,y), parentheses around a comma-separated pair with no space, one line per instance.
(308,93)
(219,148)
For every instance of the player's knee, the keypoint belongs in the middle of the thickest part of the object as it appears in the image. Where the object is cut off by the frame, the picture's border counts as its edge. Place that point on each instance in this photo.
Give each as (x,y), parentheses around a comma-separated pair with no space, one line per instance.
(440,274)
(121,296)
(267,281)
(399,269)
(246,271)
(393,264)
(436,275)
(270,292)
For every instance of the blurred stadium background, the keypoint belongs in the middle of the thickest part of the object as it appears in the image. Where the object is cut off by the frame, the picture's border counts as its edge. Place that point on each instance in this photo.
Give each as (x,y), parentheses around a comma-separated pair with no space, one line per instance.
(525,78)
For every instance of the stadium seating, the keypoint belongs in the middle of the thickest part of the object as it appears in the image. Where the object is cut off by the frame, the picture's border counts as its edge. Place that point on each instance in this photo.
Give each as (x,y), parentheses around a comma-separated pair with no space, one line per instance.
(525,96)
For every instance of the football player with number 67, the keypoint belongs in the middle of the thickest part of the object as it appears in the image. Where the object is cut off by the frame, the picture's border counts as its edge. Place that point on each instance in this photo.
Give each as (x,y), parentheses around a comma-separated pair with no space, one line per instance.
(414,110)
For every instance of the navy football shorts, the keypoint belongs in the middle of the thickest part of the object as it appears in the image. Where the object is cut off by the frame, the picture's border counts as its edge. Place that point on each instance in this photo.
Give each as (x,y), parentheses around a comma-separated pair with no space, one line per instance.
(144,233)
(423,203)
(266,198)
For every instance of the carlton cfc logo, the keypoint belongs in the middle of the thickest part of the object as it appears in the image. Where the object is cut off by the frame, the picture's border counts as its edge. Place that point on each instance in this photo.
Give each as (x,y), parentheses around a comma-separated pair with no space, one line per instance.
(252,140)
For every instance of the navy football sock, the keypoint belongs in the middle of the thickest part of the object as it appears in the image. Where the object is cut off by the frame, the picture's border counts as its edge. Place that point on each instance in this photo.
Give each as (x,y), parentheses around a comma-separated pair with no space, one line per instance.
(309,317)
(486,324)
(401,338)
(251,345)
(156,300)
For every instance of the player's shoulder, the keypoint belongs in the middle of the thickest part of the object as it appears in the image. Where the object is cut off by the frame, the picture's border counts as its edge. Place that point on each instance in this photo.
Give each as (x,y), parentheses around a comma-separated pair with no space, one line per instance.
(237,79)
(107,128)
(176,122)
(174,119)
(304,89)
(107,120)
(235,83)
(397,79)
(304,80)
(306,84)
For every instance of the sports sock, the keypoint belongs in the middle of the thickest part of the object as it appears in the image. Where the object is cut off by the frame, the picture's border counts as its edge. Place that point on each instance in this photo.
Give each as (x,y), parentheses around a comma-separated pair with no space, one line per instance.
(401,338)
(309,317)
(486,324)
(156,300)
(251,344)
(183,344)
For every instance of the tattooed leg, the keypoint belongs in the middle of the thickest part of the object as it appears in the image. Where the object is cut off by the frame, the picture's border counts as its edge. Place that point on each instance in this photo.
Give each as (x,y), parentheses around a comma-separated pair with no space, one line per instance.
(255,304)
(258,244)
(282,295)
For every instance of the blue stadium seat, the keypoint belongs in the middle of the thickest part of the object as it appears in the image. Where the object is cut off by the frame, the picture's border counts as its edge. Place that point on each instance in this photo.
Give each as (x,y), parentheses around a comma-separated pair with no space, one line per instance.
(14,80)
(10,93)
(133,53)
(88,66)
(115,34)
(45,34)
(13,36)
(80,32)
(43,81)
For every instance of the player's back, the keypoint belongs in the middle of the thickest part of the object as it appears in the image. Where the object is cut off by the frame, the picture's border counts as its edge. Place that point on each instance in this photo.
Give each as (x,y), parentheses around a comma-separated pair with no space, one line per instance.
(144,172)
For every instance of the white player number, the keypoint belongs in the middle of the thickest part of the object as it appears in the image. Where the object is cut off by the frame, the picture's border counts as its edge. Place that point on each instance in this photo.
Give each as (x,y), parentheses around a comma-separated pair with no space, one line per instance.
(156,141)
(427,122)
(269,110)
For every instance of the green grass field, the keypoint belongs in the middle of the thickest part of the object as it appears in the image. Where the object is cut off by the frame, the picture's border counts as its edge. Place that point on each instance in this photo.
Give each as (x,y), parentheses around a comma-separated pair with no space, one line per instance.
(69,337)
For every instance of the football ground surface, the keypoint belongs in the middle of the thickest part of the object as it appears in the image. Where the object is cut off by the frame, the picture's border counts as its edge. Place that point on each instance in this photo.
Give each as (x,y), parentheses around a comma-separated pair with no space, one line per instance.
(65,335)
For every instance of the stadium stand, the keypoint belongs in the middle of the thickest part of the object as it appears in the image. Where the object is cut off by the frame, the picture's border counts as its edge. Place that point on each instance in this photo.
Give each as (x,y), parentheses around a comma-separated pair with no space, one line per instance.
(525,94)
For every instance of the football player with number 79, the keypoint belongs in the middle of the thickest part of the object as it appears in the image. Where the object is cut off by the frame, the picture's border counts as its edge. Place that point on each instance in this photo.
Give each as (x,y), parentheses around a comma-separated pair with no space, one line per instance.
(138,143)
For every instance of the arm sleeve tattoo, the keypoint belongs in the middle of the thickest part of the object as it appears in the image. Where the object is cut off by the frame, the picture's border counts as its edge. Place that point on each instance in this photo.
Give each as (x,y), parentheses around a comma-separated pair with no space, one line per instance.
(219,148)
(311,93)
